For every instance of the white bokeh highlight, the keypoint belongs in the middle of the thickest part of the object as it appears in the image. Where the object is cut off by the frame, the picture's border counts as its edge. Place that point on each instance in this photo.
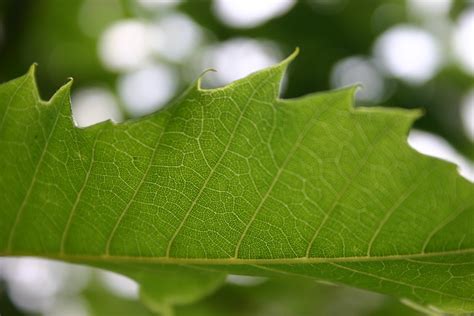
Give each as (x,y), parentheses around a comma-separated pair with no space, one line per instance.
(146,90)
(359,70)
(174,37)
(408,53)
(93,105)
(463,41)
(237,58)
(467,114)
(124,45)
(435,146)
(36,285)
(119,285)
(250,13)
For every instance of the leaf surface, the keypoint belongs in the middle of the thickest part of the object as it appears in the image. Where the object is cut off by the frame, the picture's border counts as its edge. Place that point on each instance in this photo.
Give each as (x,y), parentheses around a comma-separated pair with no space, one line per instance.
(236,180)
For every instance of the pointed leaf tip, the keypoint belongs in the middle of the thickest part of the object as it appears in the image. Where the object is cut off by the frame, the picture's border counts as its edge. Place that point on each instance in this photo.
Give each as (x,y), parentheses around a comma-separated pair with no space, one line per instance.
(32,69)
(292,56)
(285,62)
(198,81)
(67,86)
(64,91)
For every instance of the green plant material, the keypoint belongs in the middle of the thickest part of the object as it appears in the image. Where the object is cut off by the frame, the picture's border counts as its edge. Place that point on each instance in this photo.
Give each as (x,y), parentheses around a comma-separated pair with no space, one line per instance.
(236,180)
(169,286)
(276,297)
(280,297)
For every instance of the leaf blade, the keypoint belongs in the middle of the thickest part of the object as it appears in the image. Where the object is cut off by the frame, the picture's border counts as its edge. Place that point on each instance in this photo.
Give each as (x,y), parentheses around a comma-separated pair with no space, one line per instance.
(238,180)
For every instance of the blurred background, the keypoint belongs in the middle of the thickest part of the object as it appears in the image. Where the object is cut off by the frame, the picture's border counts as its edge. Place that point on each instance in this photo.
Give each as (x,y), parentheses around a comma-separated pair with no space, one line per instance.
(130,57)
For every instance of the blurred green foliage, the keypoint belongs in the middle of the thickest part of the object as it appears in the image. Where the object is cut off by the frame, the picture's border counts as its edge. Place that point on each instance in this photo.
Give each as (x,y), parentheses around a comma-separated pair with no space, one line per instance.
(279,297)
(48,32)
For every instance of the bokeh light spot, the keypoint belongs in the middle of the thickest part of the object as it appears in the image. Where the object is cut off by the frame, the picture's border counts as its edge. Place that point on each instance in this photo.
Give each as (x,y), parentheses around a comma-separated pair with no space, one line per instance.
(124,45)
(361,70)
(94,105)
(35,285)
(463,41)
(175,37)
(147,89)
(238,58)
(408,53)
(250,13)
(435,146)
(467,114)
(119,285)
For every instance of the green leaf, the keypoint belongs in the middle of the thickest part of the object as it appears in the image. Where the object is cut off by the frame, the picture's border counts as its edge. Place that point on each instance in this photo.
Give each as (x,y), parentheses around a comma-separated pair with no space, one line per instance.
(276,297)
(236,180)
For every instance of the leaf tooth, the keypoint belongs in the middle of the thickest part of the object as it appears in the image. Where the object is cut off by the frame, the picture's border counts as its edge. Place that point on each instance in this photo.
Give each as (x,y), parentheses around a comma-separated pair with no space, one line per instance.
(404,118)
(60,93)
(197,83)
(32,70)
(63,92)
(275,73)
(31,74)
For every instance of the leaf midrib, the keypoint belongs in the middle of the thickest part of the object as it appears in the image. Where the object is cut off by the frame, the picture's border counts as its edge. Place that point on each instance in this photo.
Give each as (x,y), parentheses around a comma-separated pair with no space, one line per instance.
(241,261)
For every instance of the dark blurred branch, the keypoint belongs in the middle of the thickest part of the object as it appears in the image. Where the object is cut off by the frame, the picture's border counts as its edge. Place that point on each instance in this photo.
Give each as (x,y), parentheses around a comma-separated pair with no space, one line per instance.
(15,15)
